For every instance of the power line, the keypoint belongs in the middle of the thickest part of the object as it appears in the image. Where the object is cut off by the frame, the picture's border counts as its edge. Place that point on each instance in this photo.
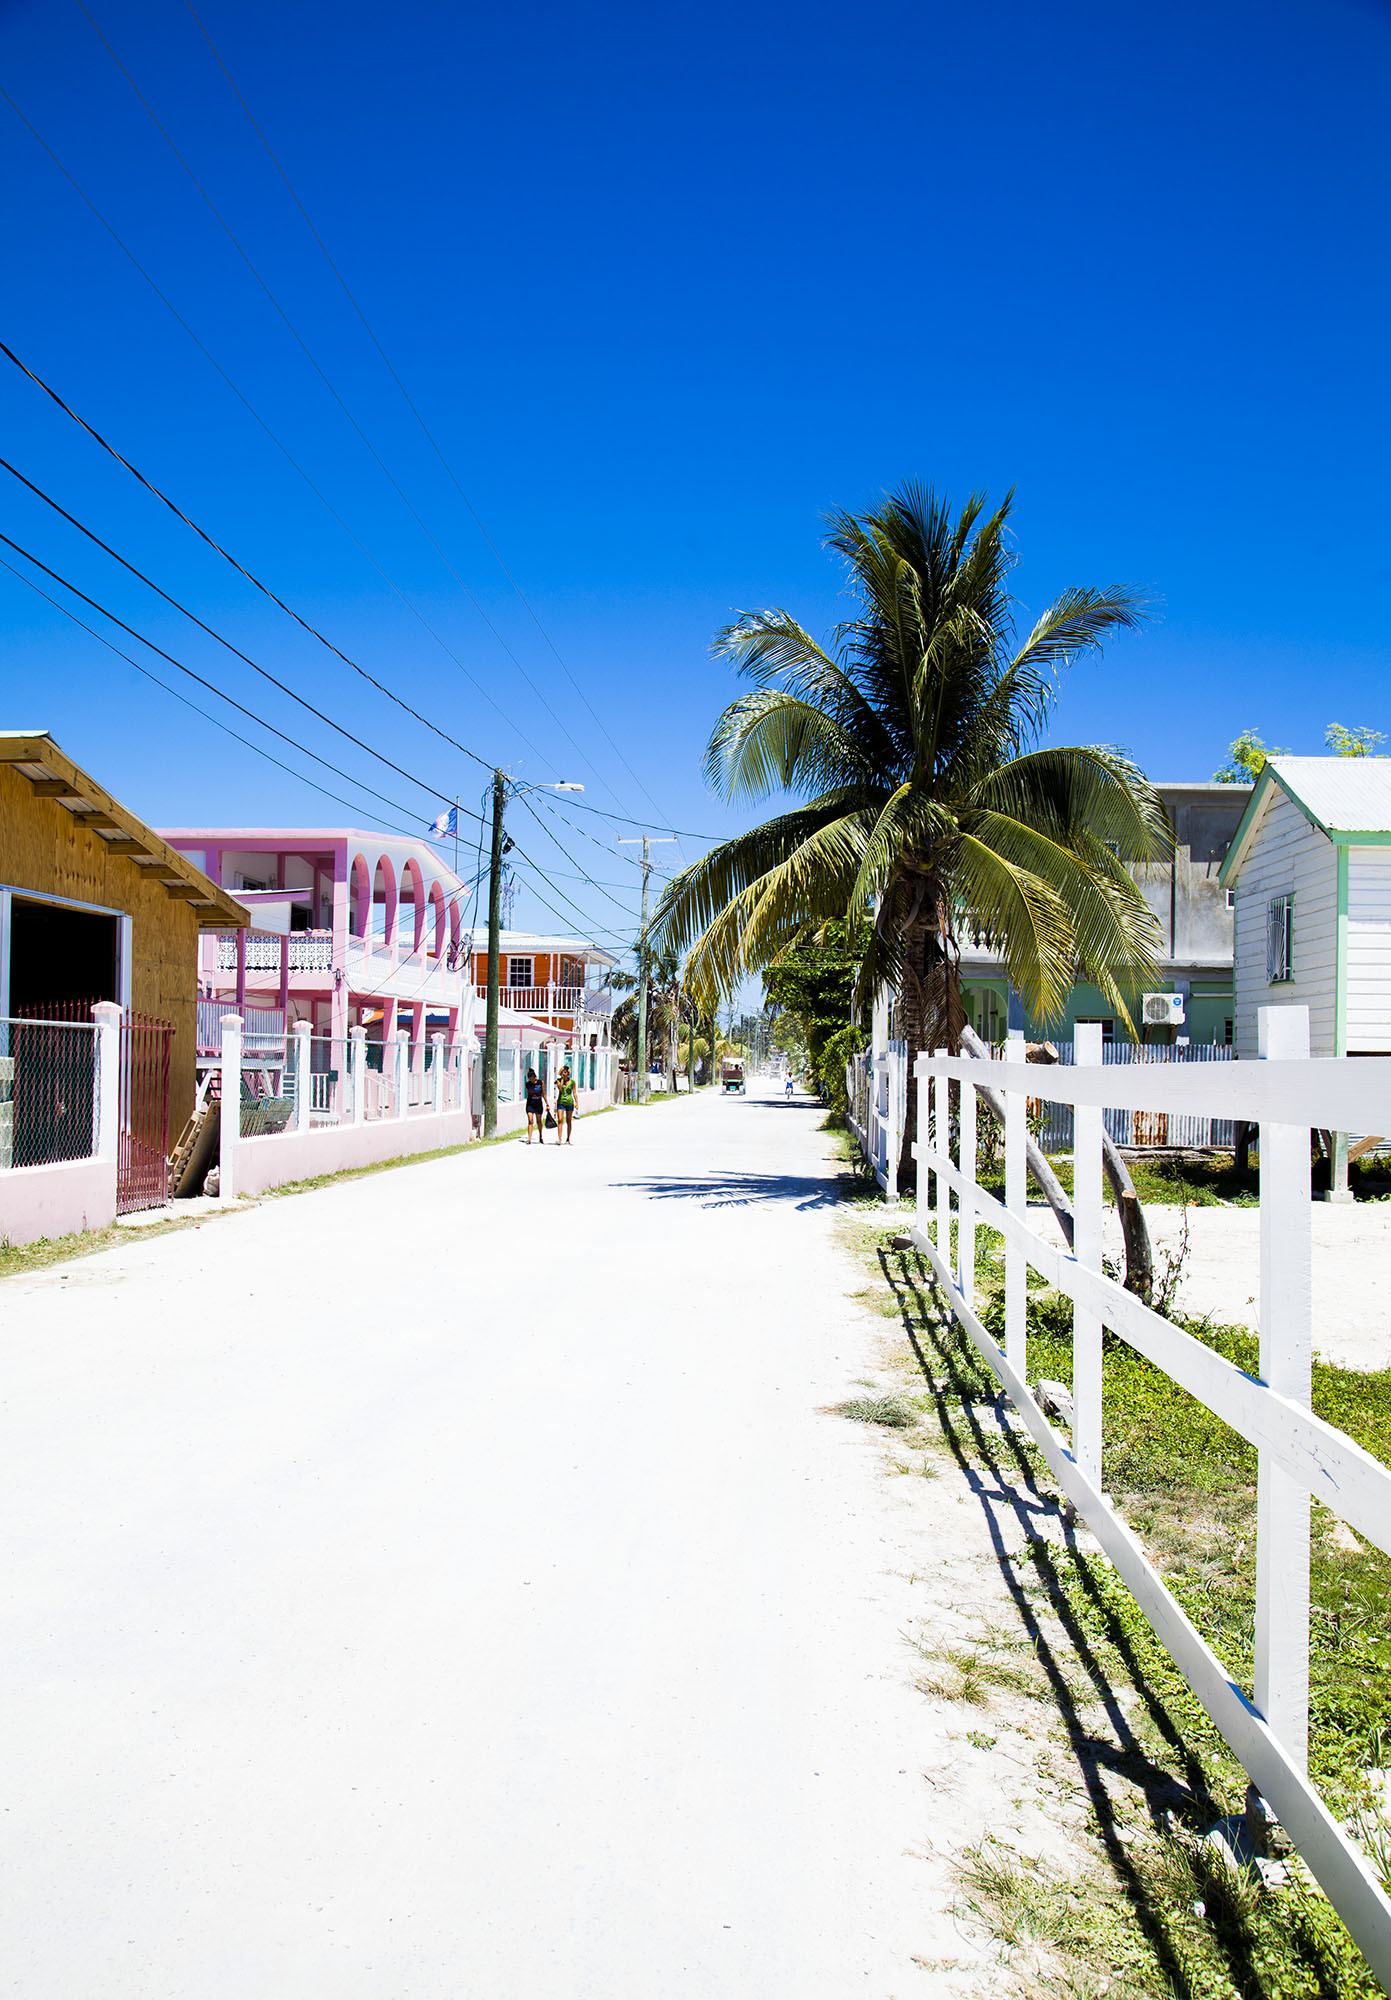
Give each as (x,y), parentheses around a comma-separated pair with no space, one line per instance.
(626,819)
(251,409)
(407,398)
(40,382)
(241,569)
(310,707)
(324,376)
(207,715)
(212,688)
(603,891)
(610,853)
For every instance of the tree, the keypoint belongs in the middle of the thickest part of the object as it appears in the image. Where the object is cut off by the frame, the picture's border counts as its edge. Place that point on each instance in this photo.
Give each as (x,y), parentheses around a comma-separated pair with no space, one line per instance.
(1246,756)
(1360,741)
(930,808)
(812,988)
(1247,753)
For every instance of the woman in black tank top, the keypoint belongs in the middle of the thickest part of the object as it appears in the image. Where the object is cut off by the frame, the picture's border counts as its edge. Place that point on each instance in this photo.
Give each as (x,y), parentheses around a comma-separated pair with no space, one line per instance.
(535,1107)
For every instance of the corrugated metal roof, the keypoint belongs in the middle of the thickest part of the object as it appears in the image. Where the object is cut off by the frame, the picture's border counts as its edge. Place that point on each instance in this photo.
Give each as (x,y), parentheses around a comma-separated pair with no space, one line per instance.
(1344,794)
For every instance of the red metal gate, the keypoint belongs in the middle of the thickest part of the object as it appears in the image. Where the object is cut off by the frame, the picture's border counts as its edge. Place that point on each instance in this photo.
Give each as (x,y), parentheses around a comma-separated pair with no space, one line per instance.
(142,1148)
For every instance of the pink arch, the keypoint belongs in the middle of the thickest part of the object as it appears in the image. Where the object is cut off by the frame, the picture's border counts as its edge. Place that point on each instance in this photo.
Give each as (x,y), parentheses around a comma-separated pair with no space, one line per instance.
(360,898)
(411,875)
(385,881)
(437,906)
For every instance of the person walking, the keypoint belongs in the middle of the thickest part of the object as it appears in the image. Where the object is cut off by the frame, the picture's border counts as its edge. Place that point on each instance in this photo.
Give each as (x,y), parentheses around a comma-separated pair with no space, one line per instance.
(788,1091)
(536,1108)
(564,1106)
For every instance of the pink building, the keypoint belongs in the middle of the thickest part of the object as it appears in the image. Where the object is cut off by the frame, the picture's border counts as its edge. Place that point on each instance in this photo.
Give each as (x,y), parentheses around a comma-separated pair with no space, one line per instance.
(351,929)
(348,929)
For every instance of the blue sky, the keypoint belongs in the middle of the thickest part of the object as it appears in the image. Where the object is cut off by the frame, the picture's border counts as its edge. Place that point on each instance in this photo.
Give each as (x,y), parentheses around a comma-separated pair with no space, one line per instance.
(669,284)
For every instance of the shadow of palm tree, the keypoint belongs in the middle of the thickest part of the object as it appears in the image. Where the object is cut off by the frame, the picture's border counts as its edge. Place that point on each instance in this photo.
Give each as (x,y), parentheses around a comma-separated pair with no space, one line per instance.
(742,1189)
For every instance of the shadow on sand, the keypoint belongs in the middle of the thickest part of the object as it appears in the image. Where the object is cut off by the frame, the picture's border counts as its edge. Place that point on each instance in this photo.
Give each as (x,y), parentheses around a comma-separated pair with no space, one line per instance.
(735,1189)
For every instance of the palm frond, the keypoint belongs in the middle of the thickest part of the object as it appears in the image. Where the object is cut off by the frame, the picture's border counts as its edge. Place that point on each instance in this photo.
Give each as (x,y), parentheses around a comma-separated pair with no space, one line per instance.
(770,740)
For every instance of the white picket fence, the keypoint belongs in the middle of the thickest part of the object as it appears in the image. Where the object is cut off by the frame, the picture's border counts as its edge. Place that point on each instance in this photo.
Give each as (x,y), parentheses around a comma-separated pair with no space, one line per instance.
(1285,1093)
(876,1091)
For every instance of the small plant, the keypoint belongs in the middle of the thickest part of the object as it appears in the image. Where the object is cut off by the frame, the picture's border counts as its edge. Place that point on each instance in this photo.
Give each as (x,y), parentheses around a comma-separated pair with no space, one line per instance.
(1171,1268)
(895,1413)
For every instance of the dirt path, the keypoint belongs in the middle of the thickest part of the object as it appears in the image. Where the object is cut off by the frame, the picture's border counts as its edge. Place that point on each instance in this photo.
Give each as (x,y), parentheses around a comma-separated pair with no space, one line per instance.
(453,1582)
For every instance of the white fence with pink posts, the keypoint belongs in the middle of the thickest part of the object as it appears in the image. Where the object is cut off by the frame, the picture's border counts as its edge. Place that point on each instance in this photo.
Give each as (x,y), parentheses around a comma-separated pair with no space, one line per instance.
(1286,1093)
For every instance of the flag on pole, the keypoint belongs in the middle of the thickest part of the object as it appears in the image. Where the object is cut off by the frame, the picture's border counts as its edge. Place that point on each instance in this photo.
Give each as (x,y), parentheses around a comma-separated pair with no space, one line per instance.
(447,823)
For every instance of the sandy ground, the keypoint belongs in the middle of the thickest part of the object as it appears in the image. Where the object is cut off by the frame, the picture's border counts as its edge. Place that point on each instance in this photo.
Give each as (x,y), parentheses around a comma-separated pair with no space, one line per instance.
(452,1582)
(1221,1270)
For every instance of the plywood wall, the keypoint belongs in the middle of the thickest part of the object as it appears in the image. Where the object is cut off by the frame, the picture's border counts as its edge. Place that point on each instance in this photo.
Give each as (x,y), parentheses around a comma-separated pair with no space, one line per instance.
(44,849)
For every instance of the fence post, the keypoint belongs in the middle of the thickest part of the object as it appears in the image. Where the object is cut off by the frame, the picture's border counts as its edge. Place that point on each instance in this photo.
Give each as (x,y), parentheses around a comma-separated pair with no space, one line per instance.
(229,1110)
(1282,1504)
(1016,1201)
(1086,1249)
(303,1086)
(966,1200)
(106,1137)
(923,1149)
(893,1078)
(941,1147)
(403,1053)
(437,1072)
(357,1059)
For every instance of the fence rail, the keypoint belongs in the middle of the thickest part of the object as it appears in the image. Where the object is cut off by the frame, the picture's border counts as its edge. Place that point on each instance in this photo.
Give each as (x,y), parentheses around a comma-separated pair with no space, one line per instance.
(316,1080)
(1285,1093)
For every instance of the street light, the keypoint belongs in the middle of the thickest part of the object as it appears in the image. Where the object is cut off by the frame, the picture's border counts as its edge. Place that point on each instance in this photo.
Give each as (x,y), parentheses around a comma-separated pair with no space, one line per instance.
(501,783)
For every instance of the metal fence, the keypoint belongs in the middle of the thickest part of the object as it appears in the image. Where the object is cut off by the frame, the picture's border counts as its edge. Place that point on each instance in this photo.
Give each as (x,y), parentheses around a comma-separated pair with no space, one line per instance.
(50,1106)
(1138,1128)
(314,1081)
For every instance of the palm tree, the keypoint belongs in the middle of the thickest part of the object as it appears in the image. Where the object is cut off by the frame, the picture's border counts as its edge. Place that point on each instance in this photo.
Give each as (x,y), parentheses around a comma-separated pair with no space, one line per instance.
(928,799)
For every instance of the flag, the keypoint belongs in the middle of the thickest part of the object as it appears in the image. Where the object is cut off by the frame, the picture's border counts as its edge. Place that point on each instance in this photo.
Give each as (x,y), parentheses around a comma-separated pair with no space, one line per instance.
(447,823)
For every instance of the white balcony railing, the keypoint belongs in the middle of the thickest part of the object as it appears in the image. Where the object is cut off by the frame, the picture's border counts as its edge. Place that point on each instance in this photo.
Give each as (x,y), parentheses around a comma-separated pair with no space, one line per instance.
(539,999)
(310,951)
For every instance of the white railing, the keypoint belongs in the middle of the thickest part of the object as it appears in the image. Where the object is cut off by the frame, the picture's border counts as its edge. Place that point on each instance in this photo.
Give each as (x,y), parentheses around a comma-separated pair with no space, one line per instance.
(310,951)
(538,999)
(1285,1093)
(877,1093)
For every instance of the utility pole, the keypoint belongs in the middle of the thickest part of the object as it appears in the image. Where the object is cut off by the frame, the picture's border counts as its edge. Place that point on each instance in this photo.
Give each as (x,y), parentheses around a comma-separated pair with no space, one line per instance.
(494,940)
(495,896)
(644,962)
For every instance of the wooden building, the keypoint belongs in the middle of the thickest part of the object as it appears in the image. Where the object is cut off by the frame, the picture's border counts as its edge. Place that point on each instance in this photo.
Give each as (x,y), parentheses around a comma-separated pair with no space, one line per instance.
(95,906)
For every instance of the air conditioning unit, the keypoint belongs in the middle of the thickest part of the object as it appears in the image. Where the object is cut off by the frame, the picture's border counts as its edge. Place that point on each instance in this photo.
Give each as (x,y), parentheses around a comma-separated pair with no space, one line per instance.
(1162,1010)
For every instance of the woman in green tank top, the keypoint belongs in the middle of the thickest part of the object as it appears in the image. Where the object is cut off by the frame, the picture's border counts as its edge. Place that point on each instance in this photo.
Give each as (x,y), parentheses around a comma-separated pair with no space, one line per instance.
(565,1105)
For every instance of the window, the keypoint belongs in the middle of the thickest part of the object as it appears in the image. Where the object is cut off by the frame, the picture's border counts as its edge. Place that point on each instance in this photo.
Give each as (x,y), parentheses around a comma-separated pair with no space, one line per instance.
(1104,1021)
(1279,939)
(1231,899)
(519,971)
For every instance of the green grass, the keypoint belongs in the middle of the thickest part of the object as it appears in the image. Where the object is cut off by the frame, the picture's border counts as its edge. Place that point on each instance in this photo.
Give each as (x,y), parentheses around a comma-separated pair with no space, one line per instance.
(17,1259)
(1158,1773)
(1209,1180)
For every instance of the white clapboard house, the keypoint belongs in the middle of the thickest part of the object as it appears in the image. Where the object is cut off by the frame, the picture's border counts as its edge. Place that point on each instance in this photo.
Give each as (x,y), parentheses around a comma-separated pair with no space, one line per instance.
(1309,876)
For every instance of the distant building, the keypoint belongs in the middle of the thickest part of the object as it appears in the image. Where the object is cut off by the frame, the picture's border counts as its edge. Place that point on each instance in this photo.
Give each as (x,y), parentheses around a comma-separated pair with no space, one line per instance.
(553,1007)
(1188,897)
(1310,873)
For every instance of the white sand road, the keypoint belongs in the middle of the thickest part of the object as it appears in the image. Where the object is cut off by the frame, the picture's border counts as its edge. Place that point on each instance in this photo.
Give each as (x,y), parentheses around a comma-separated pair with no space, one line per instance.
(452,1583)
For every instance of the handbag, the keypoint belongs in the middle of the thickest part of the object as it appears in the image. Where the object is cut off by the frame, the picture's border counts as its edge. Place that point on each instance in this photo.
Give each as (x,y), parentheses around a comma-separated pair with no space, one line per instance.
(550,1122)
